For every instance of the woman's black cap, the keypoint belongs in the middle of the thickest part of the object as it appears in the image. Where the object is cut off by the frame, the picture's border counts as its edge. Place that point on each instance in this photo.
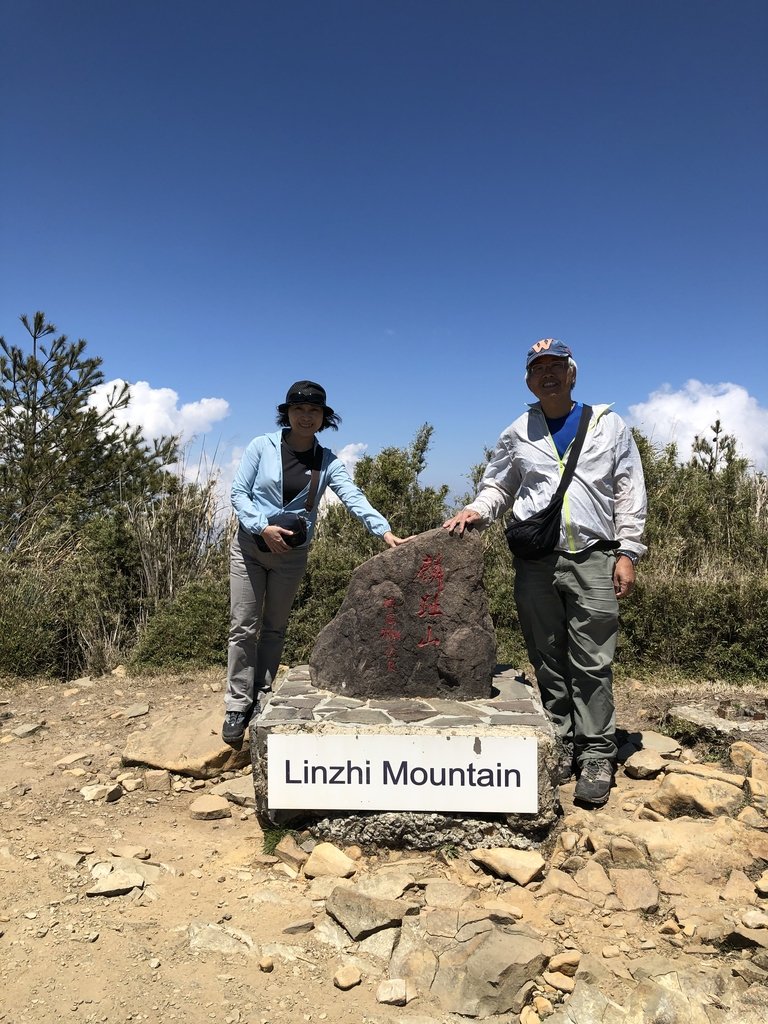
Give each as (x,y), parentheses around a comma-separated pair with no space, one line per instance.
(306,392)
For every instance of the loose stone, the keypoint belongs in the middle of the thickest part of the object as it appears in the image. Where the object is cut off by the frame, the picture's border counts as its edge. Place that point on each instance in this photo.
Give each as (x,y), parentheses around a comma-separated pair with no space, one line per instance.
(395,992)
(565,963)
(299,927)
(157,780)
(210,808)
(562,982)
(522,866)
(347,977)
(327,859)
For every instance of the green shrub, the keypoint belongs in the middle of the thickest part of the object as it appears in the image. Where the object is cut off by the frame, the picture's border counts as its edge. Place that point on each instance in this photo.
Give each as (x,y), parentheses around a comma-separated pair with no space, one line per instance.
(31,639)
(499,580)
(707,627)
(189,631)
(101,594)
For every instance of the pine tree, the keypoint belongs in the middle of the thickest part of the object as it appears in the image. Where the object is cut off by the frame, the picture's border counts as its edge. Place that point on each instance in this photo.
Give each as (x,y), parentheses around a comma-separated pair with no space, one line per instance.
(62,460)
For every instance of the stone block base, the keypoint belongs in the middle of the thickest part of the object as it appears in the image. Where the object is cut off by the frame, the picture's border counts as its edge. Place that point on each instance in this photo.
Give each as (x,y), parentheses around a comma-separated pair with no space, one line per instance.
(513,709)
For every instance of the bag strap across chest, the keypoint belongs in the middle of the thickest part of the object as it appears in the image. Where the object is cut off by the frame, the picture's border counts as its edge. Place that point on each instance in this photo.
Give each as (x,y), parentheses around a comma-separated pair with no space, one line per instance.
(573,454)
(314,481)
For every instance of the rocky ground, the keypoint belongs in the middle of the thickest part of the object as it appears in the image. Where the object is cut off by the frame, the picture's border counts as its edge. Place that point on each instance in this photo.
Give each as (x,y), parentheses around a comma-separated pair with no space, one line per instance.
(118,903)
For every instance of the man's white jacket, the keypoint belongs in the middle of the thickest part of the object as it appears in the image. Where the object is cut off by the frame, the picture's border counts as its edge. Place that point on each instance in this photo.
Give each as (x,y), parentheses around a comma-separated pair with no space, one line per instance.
(605,500)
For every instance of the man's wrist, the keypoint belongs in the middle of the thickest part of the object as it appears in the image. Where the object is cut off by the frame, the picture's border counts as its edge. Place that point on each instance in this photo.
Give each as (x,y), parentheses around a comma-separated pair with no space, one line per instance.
(634,559)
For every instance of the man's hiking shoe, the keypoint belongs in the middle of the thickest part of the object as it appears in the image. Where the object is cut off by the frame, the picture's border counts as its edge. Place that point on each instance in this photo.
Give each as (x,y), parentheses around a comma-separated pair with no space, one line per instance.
(565,763)
(235,724)
(594,785)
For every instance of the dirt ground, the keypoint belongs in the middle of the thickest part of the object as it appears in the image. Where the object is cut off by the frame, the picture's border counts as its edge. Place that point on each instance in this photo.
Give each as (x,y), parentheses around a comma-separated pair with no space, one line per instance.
(67,956)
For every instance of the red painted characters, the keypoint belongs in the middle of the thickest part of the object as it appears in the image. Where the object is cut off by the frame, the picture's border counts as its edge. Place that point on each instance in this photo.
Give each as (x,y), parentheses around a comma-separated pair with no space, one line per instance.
(391,633)
(431,572)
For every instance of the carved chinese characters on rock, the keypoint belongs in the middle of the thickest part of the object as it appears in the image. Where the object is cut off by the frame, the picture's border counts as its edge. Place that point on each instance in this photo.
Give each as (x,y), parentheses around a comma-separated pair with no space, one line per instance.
(431,576)
(430,581)
(414,622)
(391,633)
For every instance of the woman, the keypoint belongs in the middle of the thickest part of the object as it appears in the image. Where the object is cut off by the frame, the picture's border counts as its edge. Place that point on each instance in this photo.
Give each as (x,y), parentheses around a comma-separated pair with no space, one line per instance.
(281,477)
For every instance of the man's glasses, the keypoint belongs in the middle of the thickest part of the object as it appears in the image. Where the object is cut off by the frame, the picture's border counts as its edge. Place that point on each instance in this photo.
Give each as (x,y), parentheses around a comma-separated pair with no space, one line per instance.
(539,369)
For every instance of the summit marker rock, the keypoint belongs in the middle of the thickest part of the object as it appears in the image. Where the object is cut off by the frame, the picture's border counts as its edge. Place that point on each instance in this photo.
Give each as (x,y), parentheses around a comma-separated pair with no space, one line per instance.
(414,623)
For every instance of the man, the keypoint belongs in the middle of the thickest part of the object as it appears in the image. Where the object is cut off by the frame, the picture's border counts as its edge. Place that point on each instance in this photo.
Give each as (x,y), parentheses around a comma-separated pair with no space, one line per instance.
(567,600)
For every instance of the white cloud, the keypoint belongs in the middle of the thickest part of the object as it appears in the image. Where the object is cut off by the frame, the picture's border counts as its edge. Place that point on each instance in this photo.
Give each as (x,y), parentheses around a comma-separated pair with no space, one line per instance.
(156,411)
(350,455)
(680,415)
(225,474)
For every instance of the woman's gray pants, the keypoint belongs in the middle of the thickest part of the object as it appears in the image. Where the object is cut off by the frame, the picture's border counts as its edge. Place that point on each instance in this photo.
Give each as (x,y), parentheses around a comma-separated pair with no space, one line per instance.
(262,587)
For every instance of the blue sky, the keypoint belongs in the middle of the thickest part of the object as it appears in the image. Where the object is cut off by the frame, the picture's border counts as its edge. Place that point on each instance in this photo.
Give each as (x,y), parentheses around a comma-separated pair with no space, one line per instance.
(395,199)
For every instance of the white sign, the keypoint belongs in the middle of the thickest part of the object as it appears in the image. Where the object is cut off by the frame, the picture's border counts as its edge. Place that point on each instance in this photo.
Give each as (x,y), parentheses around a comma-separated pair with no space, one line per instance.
(403,773)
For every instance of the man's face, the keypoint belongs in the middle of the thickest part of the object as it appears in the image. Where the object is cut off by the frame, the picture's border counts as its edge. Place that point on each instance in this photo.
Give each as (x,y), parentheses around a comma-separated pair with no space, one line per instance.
(549,377)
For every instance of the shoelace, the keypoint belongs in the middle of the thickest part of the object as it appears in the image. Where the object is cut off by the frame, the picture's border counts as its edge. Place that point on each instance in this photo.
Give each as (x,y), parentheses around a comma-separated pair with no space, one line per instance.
(592,769)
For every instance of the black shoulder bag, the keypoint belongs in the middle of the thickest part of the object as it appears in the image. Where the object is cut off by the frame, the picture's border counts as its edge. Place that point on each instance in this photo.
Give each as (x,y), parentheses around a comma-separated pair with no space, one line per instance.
(538,536)
(293,520)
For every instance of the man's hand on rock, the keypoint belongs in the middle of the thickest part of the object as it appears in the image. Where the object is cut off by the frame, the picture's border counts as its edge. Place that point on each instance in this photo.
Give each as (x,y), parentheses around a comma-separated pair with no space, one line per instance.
(462,520)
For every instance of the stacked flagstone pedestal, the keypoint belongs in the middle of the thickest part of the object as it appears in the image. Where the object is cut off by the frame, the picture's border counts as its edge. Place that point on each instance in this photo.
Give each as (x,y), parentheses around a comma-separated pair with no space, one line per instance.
(410,657)
(514,710)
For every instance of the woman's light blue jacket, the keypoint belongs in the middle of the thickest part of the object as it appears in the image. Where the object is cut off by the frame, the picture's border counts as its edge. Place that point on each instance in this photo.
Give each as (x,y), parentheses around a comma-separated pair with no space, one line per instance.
(257,490)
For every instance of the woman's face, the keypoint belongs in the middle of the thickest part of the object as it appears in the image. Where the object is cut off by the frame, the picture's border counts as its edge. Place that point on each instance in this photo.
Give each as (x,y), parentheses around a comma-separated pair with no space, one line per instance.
(305,419)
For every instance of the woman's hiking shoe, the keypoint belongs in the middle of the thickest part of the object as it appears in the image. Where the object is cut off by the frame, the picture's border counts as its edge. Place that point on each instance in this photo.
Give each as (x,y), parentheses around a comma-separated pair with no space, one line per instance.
(594,785)
(235,724)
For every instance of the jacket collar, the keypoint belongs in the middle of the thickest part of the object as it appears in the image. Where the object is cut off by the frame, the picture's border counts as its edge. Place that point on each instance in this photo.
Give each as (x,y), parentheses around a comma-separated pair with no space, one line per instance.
(598,411)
